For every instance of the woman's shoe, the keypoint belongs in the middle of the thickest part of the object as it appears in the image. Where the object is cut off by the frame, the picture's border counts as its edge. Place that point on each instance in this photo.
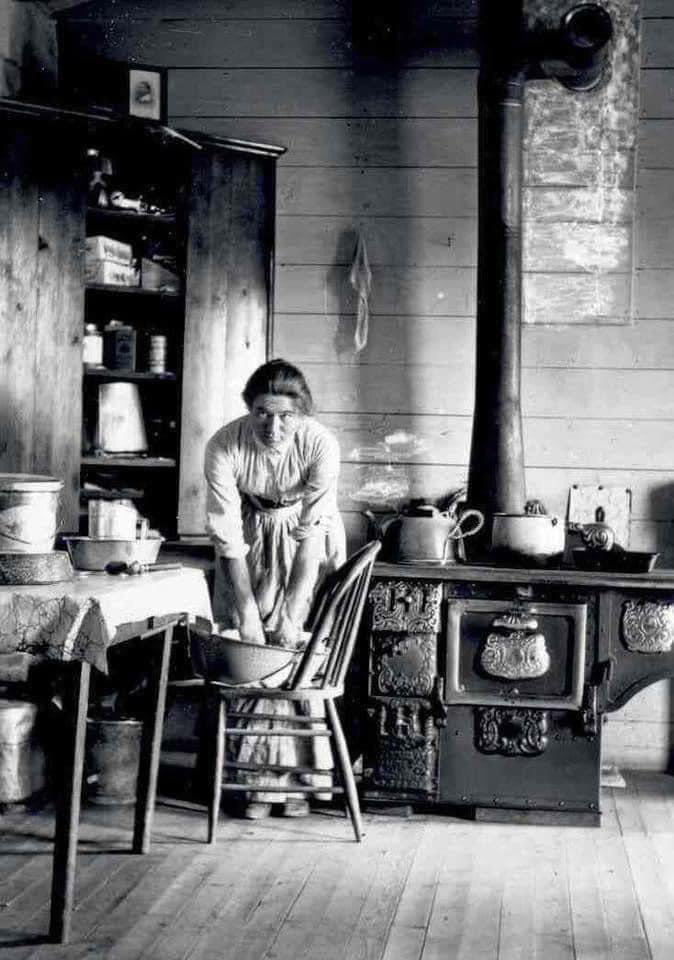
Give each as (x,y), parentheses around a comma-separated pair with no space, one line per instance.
(257,811)
(295,808)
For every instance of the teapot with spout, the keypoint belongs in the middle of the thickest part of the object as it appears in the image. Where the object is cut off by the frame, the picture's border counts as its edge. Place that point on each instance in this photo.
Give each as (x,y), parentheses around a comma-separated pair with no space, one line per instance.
(422,533)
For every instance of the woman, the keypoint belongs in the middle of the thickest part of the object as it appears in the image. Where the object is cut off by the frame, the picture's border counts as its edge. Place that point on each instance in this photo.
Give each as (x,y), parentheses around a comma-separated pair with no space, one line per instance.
(272,514)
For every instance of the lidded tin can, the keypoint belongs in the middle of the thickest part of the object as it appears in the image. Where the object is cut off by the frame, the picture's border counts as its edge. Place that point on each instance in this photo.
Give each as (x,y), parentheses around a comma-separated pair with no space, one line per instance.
(156,354)
(28,512)
(119,346)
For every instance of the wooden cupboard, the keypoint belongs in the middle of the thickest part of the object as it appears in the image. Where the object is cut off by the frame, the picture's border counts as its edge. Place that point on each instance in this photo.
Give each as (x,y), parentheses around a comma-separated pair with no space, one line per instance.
(216,223)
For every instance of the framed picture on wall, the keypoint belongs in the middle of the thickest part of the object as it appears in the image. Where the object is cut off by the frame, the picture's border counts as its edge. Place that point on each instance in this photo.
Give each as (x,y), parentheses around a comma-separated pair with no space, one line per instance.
(147,93)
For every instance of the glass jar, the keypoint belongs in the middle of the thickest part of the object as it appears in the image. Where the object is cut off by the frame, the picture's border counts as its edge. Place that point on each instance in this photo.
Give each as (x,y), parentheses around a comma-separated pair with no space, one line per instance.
(92,346)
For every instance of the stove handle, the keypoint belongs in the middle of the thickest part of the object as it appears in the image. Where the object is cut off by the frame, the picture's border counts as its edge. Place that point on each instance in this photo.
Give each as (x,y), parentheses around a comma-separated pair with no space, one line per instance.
(438,705)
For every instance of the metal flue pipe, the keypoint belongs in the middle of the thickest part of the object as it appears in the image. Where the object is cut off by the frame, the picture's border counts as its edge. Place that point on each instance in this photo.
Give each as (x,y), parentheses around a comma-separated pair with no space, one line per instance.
(576,54)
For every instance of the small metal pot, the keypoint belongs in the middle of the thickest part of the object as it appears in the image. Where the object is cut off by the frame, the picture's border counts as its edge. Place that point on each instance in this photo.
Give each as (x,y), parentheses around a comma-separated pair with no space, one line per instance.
(528,538)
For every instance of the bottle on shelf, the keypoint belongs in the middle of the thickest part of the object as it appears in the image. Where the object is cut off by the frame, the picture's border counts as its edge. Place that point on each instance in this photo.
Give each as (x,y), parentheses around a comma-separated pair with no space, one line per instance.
(92,346)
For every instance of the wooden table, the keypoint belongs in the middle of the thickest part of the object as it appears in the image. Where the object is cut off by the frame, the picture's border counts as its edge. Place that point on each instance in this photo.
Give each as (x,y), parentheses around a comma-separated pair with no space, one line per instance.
(73,624)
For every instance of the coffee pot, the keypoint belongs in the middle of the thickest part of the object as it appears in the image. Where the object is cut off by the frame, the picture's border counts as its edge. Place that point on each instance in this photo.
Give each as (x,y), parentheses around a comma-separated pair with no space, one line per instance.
(422,533)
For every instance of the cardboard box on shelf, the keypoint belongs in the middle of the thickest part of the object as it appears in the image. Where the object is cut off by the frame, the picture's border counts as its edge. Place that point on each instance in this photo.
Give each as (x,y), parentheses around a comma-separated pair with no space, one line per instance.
(154,276)
(107,271)
(106,248)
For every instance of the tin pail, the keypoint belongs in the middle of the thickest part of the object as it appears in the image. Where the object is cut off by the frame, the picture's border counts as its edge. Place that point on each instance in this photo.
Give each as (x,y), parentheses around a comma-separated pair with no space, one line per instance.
(28,512)
(22,762)
(112,757)
(112,520)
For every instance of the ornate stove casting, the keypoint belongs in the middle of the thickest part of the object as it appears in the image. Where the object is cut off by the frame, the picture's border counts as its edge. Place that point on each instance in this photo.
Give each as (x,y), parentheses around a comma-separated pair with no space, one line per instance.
(406,747)
(648,627)
(404,666)
(511,732)
(400,605)
(521,653)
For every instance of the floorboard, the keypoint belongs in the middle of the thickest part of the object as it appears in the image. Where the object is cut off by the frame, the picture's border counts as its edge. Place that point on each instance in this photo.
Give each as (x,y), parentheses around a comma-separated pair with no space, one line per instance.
(424,887)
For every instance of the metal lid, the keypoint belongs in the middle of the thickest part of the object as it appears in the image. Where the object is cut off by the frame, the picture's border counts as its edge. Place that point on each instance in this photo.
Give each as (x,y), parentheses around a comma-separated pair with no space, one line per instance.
(29,482)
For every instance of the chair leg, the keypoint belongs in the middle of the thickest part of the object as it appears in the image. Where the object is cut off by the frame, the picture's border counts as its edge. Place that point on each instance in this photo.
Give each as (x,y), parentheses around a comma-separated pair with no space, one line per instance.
(216,772)
(344,760)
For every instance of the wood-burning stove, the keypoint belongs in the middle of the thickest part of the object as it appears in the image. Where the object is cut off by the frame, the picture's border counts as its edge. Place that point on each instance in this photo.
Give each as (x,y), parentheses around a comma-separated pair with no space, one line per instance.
(486,687)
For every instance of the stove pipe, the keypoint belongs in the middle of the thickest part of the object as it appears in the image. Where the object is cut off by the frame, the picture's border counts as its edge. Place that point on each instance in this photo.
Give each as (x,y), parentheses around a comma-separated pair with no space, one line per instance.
(576,54)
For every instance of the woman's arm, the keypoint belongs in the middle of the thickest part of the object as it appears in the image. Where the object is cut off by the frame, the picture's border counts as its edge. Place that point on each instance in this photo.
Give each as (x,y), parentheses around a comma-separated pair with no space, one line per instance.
(250,624)
(303,580)
(224,524)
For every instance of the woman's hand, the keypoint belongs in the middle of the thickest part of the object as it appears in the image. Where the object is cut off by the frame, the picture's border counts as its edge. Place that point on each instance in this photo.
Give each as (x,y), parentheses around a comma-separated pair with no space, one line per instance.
(286,632)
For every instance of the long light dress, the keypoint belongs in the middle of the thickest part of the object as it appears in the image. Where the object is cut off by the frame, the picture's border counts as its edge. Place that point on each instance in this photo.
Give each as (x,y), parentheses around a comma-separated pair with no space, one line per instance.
(261,502)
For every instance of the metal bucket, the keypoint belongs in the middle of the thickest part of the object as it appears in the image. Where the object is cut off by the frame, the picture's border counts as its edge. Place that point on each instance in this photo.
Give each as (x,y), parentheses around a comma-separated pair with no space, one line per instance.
(28,512)
(22,762)
(112,758)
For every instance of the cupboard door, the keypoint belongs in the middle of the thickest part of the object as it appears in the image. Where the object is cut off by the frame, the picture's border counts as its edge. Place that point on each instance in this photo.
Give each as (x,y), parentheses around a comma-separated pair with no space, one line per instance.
(42,197)
(228,290)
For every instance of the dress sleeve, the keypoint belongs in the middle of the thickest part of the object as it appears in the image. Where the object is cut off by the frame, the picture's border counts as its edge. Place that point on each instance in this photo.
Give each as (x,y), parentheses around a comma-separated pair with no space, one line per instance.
(223,502)
(319,501)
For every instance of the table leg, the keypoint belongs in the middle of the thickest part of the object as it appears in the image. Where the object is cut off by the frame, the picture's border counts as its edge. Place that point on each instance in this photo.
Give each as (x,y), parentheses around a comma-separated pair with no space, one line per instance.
(68,795)
(151,746)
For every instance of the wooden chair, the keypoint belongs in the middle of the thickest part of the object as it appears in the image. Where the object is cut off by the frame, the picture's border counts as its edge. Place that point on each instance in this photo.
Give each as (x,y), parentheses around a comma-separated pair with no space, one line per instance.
(334,622)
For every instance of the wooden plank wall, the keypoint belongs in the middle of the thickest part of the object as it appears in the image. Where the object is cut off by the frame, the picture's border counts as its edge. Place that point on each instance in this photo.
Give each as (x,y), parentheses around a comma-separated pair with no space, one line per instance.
(392,151)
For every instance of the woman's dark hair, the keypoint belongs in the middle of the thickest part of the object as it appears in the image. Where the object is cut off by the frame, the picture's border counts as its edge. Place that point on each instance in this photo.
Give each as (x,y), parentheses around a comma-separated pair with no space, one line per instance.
(281,378)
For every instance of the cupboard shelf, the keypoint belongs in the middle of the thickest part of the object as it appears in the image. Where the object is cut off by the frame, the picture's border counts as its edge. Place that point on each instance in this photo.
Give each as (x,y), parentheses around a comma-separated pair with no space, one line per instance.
(112,215)
(128,375)
(111,288)
(142,463)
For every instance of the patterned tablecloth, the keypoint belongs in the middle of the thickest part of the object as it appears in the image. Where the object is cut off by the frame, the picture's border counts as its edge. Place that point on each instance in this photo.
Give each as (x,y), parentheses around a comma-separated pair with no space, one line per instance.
(80,618)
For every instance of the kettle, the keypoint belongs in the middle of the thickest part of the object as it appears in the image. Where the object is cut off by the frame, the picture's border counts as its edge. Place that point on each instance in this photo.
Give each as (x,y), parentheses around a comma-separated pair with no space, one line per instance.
(424,534)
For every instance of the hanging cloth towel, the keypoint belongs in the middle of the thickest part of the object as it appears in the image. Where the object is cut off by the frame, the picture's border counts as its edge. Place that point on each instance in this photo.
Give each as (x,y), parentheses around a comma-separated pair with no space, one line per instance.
(360,277)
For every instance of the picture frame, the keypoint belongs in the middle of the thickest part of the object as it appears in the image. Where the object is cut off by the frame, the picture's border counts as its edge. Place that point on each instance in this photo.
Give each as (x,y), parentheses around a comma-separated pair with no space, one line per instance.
(147,92)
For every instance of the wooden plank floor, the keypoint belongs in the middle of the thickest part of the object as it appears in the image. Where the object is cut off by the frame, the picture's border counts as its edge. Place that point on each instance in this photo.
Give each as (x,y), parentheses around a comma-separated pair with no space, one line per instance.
(422,888)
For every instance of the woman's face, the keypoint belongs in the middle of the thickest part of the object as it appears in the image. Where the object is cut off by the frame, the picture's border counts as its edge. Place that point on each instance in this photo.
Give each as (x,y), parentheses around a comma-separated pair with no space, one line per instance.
(275,419)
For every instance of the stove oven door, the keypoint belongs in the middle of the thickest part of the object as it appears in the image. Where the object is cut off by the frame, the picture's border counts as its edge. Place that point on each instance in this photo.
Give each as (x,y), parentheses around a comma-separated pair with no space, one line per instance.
(518,735)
